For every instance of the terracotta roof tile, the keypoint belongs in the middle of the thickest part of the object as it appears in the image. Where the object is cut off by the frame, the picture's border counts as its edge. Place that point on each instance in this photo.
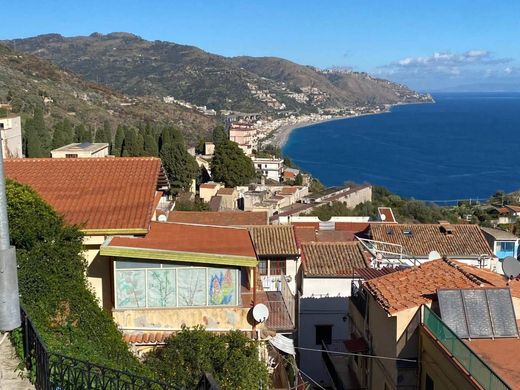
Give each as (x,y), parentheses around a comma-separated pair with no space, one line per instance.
(332,259)
(274,240)
(191,238)
(372,273)
(226,191)
(414,286)
(220,218)
(95,193)
(465,240)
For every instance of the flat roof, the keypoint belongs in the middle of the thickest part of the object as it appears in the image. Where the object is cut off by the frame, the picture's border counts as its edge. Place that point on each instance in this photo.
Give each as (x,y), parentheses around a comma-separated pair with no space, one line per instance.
(499,234)
(501,355)
(83,147)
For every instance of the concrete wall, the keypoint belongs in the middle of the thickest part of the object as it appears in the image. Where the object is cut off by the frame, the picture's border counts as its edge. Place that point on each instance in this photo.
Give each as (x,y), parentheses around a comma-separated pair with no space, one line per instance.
(383,329)
(320,311)
(332,287)
(206,193)
(224,318)
(99,271)
(11,135)
(436,363)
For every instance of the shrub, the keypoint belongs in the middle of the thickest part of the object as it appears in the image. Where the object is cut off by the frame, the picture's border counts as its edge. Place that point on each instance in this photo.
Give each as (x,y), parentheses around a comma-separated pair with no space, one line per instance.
(232,359)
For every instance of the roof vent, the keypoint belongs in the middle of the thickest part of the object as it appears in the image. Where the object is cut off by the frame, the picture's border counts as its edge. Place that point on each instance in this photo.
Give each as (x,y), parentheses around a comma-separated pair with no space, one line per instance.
(390,231)
(408,232)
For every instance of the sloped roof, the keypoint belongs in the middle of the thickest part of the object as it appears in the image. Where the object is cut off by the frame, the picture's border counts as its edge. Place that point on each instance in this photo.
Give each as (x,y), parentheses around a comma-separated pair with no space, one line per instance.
(220,218)
(274,240)
(420,239)
(330,259)
(415,286)
(198,239)
(94,193)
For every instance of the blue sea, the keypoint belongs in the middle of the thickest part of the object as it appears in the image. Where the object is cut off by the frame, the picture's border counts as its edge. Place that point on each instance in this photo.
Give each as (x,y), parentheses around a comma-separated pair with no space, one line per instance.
(466,145)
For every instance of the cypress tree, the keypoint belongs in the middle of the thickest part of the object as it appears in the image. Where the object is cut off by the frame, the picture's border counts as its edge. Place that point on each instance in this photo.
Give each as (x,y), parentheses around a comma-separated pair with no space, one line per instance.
(119,140)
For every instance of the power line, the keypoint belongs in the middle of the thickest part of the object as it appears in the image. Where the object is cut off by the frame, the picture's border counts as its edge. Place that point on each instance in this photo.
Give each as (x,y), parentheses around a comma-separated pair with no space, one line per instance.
(357,354)
(313,381)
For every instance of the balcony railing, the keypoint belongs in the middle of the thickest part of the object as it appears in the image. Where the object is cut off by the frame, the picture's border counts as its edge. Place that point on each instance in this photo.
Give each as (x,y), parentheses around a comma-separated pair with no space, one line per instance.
(475,366)
(52,371)
(282,306)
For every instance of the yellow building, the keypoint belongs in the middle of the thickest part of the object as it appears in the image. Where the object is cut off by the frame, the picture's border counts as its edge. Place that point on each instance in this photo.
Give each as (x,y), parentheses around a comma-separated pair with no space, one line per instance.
(386,321)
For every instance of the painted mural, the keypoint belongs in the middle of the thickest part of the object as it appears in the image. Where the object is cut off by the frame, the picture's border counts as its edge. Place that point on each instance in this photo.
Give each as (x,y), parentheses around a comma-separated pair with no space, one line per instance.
(222,286)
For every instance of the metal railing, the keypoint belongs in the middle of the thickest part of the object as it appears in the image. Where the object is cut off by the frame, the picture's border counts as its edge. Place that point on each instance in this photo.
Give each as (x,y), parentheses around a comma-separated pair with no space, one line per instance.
(476,367)
(52,370)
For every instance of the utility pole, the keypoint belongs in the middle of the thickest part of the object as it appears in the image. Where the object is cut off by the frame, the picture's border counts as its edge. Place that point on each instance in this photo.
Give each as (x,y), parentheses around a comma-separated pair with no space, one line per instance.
(9,300)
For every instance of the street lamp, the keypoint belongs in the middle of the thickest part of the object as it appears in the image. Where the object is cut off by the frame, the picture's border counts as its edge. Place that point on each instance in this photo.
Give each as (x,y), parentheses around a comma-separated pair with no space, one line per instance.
(9,300)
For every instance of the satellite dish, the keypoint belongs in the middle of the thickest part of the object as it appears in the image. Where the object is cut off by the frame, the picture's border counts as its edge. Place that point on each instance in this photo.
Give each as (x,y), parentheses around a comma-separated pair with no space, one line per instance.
(434,255)
(162,218)
(260,312)
(511,267)
(383,217)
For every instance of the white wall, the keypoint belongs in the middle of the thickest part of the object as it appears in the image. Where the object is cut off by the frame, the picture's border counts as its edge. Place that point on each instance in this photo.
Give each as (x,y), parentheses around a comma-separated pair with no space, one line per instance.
(318,308)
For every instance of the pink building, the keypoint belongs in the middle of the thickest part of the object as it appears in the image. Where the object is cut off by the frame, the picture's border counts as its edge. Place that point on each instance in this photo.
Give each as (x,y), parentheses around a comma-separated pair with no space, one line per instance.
(245,135)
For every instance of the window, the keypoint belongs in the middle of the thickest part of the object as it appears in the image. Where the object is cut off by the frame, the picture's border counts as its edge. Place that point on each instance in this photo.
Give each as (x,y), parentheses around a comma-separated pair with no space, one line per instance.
(141,284)
(429,385)
(69,155)
(323,334)
(277,267)
(262,267)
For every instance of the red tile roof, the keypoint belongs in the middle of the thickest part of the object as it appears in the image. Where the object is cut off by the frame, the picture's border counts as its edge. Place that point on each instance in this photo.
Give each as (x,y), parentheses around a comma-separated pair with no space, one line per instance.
(387,213)
(191,238)
(289,190)
(332,259)
(208,185)
(415,286)
(420,239)
(274,240)
(95,193)
(220,218)
(372,273)
(226,191)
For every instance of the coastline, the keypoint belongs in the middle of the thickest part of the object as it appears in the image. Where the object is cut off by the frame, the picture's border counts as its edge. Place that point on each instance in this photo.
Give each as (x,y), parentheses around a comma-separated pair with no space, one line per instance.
(280,135)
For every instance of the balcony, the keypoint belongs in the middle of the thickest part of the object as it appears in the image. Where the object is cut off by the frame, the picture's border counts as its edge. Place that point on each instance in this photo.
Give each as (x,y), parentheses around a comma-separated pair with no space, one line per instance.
(281,304)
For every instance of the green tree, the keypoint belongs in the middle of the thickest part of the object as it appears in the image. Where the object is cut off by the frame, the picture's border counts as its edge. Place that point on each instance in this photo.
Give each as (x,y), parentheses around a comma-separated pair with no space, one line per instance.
(231,166)
(232,359)
(150,146)
(33,147)
(179,165)
(63,134)
(219,135)
(298,180)
(134,143)
(119,141)
(104,134)
(82,134)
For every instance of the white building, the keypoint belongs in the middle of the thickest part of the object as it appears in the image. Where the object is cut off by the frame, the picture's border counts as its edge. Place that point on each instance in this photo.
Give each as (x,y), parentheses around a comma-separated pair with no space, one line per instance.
(327,272)
(11,135)
(271,168)
(84,150)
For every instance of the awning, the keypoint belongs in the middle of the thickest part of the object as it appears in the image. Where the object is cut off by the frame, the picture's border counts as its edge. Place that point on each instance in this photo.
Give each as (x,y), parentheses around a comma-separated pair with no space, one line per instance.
(284,344)
(356,345)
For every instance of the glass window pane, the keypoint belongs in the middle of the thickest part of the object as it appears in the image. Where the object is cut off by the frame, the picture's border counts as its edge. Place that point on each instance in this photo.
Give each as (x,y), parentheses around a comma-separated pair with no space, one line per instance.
(191,286)
(125,264)
(222,286)
(130,287)
(161,288)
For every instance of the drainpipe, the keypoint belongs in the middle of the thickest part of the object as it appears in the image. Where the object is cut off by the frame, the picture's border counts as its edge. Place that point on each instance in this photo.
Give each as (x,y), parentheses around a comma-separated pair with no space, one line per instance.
(9,300)
(254,297)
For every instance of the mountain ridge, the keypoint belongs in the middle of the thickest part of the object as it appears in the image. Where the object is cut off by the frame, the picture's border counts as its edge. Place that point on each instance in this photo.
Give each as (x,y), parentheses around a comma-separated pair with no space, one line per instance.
(138,67)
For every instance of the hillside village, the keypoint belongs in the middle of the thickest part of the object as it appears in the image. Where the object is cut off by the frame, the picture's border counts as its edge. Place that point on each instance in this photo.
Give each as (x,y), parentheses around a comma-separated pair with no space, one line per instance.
(353,301)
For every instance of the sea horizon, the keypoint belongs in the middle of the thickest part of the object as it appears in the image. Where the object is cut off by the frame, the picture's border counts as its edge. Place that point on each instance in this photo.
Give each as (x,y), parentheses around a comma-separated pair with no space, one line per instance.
(399,149)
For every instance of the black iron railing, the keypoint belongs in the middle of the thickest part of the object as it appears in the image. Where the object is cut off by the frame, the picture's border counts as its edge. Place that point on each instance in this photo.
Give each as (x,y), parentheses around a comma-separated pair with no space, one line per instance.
(53,371)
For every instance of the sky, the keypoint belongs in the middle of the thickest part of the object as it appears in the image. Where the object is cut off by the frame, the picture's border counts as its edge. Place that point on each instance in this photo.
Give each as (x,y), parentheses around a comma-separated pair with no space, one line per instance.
(428,45)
